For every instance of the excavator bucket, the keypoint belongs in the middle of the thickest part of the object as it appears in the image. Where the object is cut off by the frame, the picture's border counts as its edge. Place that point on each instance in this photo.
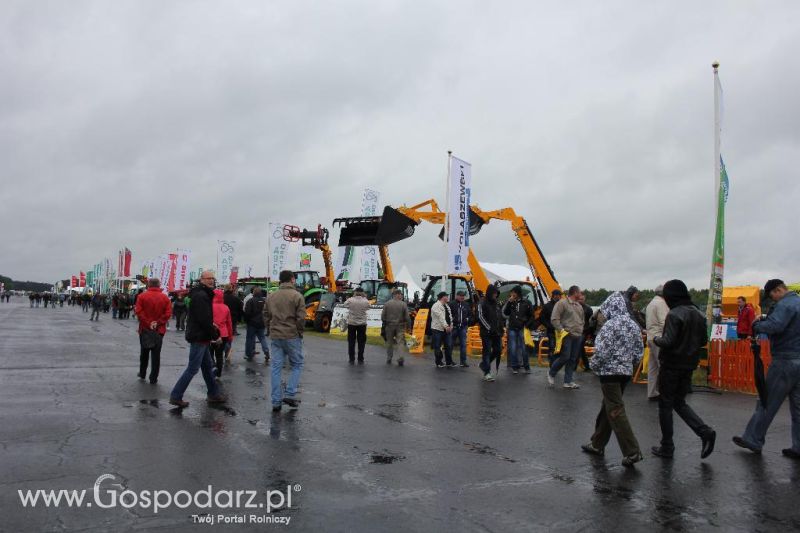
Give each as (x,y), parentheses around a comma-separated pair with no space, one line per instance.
(389,228)
(475,224)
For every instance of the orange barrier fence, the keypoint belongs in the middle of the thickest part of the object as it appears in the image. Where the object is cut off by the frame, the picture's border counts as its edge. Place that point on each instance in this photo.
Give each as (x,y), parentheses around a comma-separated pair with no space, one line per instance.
(731,364)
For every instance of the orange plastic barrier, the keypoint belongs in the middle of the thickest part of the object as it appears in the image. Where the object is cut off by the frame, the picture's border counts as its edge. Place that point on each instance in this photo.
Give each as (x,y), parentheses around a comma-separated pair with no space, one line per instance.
(732,366)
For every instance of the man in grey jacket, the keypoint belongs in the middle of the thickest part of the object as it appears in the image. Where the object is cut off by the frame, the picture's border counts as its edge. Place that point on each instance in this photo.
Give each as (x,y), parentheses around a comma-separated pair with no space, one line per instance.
(655,315)
(357,306)
(568,316)
(395,318)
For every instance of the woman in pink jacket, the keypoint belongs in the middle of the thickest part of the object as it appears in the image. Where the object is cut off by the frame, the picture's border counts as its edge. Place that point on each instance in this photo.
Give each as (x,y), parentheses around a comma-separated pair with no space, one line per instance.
(222,319)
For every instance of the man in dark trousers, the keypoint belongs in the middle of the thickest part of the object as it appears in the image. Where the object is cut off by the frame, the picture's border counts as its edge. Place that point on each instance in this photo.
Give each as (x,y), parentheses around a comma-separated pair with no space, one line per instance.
(234,305)
(491,322)
(545,318)
(200,333)
(462,318)
(153,310)
(518,311)
(685,332)
(178,311)
(783,377)
(254,317)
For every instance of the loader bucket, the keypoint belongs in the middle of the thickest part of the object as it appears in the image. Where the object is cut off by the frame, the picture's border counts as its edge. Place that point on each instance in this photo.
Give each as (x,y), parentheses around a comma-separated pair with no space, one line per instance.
(393,226)
(475,224)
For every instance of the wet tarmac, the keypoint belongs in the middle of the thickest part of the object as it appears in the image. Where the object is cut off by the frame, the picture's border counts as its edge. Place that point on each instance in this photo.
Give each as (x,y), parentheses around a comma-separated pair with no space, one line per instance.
(372,447)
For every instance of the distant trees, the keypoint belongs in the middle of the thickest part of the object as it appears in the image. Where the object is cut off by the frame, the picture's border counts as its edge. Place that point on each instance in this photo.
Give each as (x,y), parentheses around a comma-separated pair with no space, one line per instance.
(598,296)
(25,285)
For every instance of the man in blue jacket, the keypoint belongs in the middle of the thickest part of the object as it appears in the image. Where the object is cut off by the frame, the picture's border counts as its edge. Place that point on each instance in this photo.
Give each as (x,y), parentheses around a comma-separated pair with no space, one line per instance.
(783,376)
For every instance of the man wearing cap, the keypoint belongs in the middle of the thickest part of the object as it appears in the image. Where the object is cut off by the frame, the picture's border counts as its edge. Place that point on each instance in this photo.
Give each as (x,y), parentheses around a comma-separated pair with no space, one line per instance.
(783,377)
(395,318)
(518,312)
(357,306)
(655,316)
(462,317)
(441,331)
(545,318)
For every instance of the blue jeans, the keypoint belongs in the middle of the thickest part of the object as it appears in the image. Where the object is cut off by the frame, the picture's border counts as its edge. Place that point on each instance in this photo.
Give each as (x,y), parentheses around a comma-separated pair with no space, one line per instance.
(250,341)
(570,350)
(281,349)
(551,347)
(783,379)
(199,359)
(517,355)
(460,336)
(439,338)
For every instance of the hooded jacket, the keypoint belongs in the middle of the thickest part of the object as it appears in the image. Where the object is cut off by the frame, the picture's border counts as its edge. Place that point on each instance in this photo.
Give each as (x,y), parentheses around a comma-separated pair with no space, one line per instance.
(490,318)
(618,347)
(685,329)
(222,315)
(200,320)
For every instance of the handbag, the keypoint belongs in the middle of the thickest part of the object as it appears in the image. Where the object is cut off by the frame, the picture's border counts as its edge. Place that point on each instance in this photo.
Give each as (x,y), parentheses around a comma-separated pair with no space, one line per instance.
(149,339)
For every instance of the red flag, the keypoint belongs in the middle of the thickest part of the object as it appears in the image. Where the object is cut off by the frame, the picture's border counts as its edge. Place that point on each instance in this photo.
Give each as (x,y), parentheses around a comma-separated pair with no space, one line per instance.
(234,275)
(127,266)
(83,279)
(73,282)
(173,259)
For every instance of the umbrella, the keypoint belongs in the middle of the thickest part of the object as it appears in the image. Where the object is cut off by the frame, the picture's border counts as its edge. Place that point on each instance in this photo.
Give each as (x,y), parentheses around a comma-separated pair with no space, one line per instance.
(758,369)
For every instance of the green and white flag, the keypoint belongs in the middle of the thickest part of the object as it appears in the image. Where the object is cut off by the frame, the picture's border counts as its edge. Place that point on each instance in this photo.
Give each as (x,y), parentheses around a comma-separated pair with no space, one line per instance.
(714,307)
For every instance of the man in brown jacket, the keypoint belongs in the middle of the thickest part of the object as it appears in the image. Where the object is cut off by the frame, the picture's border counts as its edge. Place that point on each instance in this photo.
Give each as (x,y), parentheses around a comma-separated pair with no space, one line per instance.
(395,318)
(285,319)
(568,316)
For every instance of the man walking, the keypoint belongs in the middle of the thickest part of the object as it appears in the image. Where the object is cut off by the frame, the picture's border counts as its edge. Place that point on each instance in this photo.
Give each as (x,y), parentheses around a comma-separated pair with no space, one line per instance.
(685,332)
(254,317)
(178,311)
(395,318)
(441,331)
(98,300)
(783,377)
(655,316)
(545,318)
(746,315)
(357,306)
(234,305)
(518,311)
(568,316)
(200,332)
(490,320)
(461,310)
(285,318)
(153,310)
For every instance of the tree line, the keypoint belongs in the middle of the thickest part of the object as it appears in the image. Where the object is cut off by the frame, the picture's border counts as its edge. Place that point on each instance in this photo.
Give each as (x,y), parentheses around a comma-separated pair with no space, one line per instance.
(598,296)
(35,286)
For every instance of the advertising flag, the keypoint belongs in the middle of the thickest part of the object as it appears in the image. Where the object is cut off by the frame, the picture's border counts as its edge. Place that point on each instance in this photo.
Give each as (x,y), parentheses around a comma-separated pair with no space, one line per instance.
(126,266)
(73,282)
(714,306)
(369,254)
(282,253)
(173,270)
(234,275)
(225,253)
(182,272)
(457,230)
(83,279)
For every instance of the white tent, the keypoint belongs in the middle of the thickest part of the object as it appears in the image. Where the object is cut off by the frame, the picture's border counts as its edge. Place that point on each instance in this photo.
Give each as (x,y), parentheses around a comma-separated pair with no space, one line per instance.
(503,272)
(405,276)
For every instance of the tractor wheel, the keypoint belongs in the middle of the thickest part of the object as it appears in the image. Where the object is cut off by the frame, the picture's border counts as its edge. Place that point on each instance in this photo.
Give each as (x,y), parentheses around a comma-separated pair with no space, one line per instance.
(322,322)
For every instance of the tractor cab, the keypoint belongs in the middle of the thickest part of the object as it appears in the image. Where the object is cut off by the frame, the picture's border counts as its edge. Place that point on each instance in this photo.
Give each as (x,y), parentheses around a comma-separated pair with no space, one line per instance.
(379,291)
(532,293)
(454,284)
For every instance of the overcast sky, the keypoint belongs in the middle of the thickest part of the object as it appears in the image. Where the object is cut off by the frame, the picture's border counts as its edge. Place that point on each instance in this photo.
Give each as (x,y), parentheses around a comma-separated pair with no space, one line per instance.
(157,125)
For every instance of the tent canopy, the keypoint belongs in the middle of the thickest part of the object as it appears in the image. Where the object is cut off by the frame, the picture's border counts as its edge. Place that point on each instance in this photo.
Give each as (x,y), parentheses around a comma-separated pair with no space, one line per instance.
(405,276)
(504,272)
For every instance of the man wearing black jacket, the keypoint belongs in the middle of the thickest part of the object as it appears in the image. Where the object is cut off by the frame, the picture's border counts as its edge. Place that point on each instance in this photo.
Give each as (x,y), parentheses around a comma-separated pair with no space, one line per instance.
(200,333)
(254,317)
(461,310)
(491,322)
(234,304)
(519,312)
(547,312)
(685,332)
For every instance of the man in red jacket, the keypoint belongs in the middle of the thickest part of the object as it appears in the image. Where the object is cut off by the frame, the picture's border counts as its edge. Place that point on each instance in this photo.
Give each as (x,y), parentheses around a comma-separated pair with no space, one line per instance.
(153,309)
(744,325)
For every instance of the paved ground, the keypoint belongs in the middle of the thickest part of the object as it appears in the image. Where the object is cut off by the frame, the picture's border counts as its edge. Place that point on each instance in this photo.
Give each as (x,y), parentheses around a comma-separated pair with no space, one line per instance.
(373,448)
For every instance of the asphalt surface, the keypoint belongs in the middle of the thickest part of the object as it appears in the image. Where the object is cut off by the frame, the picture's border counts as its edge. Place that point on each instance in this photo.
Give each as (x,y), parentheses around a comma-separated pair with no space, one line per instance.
(372,448)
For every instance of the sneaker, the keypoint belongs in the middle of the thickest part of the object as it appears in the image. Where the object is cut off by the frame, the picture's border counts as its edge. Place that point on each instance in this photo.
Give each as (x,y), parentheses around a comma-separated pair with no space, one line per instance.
(571,385)
(220,398)
(791,453)
(153,381)
(708,444)
(464,365)
(450,365)
(276,408)
(439,365)
(660,451)
(590,449)
(179,403)
(291,402)
(527,370)
(488,377)
(360,361)
(514,371)
(632,459)
(140,376)
(550,380)
(739,441)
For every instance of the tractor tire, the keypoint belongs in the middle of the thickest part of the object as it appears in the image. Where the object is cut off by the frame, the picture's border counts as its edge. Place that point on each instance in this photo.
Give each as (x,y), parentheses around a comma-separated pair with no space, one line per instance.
(322,322)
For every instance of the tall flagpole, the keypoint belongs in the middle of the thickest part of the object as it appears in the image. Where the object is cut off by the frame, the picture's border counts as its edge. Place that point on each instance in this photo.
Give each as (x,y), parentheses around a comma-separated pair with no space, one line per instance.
(446,239)
(714,306)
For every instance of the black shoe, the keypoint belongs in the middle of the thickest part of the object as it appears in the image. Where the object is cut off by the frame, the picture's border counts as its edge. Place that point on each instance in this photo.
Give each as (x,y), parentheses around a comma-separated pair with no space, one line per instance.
(352,361)
(629,460)
(739,441)
(451,365)
(660,451)
(400,362)
(291,402)
(276,408)
(708,444)
(464,365)
(360,361)
(140,376)
(653,398)
(153,381)
(791,453)
(388,361)
(246,358)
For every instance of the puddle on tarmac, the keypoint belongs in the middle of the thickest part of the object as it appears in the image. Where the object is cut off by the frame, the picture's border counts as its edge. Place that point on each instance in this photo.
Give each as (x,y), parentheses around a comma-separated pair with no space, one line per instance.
(384,458)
